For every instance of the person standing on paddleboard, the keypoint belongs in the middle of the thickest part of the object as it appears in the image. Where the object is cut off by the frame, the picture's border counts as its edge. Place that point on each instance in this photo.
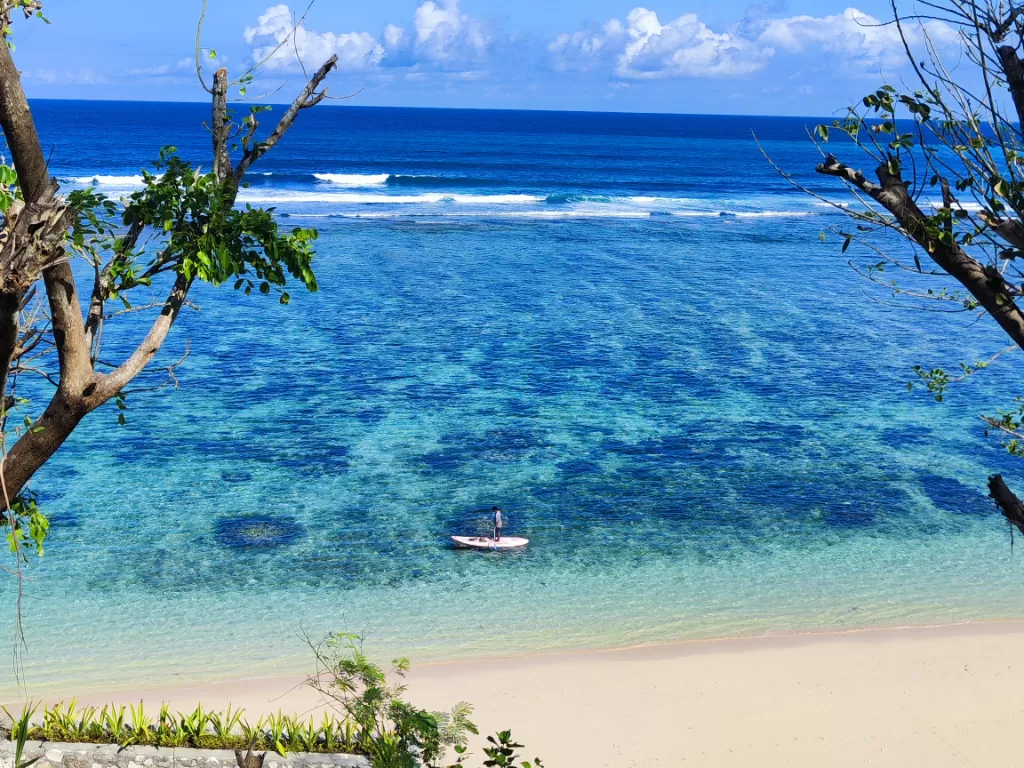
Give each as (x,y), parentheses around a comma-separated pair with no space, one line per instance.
(497,524)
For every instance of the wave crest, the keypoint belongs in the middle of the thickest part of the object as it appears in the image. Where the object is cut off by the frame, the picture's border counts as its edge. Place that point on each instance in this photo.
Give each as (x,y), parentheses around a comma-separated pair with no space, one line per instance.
(353,179)
(103,180)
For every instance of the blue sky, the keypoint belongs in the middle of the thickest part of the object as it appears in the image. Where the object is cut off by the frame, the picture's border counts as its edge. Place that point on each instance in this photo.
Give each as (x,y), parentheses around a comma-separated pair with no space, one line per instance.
(791,57)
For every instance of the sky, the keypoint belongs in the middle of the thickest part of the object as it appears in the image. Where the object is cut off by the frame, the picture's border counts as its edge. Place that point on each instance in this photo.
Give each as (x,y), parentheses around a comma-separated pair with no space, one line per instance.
(785,57)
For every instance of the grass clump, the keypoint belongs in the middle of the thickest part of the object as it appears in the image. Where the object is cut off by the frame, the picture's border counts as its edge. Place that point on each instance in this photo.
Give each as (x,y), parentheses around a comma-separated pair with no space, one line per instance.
(201,729)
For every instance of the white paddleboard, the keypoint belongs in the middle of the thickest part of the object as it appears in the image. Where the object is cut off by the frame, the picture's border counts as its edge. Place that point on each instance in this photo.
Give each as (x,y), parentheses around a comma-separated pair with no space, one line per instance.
(483,542)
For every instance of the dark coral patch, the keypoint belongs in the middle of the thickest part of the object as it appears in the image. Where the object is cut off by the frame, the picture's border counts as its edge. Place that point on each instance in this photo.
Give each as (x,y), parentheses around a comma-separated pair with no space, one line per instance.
(258,531)
(62,520)
(954,496)
(236,476)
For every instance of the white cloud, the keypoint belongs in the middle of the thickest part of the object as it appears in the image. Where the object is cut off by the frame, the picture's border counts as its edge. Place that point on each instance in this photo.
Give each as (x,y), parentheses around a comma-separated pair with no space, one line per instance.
(643,47)
(149,71)
(685,47)
(859,37)
(584,49)
(355,50)
(65,77)
(443,32)
(394,36)
(440,35)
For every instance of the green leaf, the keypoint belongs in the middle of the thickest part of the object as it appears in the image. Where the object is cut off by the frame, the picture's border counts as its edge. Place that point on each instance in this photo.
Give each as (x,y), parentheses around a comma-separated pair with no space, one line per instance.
(213,54)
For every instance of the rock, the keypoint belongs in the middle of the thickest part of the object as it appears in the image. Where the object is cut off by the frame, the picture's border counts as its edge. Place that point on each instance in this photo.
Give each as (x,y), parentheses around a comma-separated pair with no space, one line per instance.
(55,756)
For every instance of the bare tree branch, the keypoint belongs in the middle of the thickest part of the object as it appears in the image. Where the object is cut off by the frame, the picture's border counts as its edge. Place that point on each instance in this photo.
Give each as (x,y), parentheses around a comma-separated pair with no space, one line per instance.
(309,97)
(985,282)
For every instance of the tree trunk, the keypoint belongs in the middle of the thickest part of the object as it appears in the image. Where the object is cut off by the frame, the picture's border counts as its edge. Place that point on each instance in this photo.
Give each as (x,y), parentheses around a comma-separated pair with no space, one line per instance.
(1008,503)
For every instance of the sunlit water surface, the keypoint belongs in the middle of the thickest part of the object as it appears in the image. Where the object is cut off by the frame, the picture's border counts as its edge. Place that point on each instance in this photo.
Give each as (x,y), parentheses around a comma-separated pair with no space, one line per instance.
(701,422)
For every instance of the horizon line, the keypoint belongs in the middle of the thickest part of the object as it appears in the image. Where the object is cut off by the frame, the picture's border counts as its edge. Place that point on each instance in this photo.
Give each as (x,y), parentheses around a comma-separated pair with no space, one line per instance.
(458,109)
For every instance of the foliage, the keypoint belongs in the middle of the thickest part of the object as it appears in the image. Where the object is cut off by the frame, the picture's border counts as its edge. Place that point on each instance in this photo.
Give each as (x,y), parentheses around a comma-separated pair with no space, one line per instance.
(25,523)
(20,733)
(29,8)
(8,187)
(200,233)
(501,753)
(1010,423)
(394,733)
(201,728)
(373,719)
(404,744)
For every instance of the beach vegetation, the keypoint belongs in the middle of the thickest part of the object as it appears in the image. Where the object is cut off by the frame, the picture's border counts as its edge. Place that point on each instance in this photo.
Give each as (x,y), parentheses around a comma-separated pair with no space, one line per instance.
(939,210)
(394,733)
(415,739)
(19,734)
(199,728)
(502,753)
(368,714)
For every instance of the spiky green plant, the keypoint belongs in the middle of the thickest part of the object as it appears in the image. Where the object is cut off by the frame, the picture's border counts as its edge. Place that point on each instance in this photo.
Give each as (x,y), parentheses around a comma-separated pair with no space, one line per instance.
(349,734)
(252,734)
(20,729)
(307,736)
(115,722)
(277,730)
(193,726)
(141,727)
(226,726)
(329,733)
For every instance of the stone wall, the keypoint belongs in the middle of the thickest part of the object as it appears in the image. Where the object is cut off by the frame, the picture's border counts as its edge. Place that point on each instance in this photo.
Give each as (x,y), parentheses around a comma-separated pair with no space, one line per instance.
(111,756)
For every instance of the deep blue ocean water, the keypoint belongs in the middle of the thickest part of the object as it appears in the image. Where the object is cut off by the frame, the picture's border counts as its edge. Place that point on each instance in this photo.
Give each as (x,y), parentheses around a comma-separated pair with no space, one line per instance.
(624,329)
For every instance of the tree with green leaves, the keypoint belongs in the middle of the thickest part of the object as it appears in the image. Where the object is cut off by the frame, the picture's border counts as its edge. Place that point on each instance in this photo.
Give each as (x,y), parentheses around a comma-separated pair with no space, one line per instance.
(944,197)
(181,227)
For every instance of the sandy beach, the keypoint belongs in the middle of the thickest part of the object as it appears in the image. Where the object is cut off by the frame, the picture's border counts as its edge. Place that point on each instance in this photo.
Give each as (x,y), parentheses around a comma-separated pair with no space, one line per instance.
(936,696)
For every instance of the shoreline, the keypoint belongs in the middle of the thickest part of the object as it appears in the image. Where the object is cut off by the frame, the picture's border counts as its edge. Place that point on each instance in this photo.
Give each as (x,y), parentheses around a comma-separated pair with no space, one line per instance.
(936,694)
(669,647)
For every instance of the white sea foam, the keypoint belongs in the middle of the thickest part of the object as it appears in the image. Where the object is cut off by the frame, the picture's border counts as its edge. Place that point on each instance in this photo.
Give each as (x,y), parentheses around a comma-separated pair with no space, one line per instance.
(313,196)
(767,214)
(739,214)
(353,179)
(496,214)
(103,180)
(650,200)
(973,207)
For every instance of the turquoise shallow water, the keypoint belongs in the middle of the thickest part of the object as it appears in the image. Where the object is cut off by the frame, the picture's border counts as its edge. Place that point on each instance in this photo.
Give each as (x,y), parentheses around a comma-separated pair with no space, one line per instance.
(701,423)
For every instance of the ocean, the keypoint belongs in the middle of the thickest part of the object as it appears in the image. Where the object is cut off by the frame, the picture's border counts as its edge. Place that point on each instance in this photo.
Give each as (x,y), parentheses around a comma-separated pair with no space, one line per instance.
(626,330)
